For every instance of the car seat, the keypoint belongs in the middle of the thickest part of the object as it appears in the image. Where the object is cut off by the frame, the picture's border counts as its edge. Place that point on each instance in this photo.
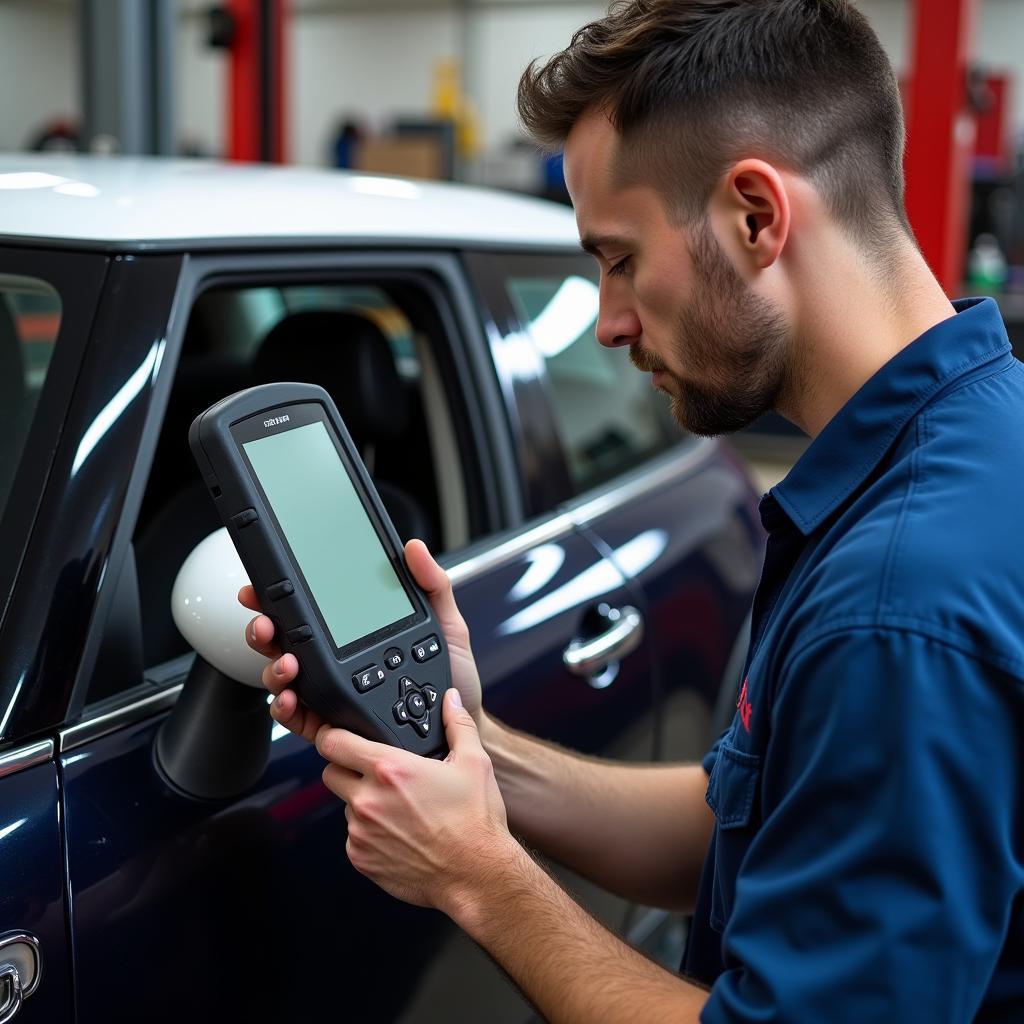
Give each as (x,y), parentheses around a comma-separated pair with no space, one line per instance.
(344,353)
(349,356)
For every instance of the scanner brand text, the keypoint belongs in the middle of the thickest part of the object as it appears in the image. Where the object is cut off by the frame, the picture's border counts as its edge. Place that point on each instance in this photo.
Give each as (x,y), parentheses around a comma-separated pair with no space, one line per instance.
(276,421)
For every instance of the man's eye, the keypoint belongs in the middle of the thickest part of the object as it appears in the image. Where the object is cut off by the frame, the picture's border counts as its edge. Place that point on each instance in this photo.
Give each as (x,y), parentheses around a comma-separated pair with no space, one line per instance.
(617,269)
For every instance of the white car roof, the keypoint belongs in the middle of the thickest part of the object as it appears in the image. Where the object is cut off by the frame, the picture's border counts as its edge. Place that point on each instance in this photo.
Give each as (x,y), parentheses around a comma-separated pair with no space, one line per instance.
(140,202)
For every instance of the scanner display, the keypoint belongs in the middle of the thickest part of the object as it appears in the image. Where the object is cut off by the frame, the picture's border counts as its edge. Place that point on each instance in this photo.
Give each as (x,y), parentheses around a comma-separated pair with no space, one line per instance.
(325,524)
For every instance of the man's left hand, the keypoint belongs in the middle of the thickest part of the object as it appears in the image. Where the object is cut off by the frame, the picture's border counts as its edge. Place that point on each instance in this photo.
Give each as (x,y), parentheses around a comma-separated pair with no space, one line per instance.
(423,830)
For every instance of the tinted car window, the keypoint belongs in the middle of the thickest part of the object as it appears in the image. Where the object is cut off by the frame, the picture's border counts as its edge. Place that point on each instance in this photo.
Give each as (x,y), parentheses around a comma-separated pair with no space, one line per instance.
(374,352)
(606,414)
(30,312)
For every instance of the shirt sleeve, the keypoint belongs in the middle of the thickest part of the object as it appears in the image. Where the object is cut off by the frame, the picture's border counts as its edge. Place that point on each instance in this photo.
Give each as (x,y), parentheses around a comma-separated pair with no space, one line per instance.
(881,881)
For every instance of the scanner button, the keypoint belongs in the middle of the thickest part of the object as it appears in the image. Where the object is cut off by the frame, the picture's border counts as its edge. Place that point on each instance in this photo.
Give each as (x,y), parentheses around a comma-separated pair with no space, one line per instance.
(425,649)
(416,704)
(422,726)
(431,694)
(244,519)
(393,658)
(401,713)
(405,684)
(278,590)
(367,678)
(299,635)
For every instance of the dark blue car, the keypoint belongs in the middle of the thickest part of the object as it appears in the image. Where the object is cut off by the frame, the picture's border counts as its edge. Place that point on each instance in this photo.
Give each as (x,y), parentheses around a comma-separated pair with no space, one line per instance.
(605,564)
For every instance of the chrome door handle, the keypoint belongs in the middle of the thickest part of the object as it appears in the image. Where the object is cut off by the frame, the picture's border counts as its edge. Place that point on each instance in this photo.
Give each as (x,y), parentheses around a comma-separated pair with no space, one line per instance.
(10,986)
(20,970)
(591,657)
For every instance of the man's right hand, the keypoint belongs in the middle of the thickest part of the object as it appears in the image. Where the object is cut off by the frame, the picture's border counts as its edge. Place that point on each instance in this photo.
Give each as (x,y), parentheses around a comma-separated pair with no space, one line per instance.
(283,668)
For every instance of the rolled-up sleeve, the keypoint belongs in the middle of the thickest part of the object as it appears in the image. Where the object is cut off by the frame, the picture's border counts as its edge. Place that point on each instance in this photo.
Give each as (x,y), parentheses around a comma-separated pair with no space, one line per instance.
(880,883)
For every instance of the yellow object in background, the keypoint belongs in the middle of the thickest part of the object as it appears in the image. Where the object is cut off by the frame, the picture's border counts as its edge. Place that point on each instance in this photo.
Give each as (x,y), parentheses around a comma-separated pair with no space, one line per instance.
(449,103)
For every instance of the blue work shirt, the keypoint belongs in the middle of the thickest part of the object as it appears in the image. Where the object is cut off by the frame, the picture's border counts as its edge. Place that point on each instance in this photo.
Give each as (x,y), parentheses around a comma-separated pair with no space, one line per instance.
(867,862)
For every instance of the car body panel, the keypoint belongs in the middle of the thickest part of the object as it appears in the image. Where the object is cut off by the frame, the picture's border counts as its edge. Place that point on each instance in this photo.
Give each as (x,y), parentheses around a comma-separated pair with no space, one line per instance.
(32,899)
(48,639)
(153,203)
(211,905)
(693,545)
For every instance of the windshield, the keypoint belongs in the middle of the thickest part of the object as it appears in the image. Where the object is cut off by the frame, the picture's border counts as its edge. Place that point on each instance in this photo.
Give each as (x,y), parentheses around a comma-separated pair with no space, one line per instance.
(30,312)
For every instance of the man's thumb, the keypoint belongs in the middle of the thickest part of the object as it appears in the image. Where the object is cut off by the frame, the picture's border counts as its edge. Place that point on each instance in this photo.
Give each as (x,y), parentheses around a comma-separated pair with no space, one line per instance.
(459,727)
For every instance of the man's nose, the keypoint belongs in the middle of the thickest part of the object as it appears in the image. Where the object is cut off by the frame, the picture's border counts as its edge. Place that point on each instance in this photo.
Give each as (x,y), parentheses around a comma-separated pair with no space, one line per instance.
(617,325)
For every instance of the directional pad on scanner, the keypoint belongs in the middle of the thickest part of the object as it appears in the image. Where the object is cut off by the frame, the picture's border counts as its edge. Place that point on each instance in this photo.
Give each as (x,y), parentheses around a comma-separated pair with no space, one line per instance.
(414,704)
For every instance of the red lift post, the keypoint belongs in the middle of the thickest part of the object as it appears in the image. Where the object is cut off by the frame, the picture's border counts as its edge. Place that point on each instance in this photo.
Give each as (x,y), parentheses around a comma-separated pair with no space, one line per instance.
(257,74)
(940,134)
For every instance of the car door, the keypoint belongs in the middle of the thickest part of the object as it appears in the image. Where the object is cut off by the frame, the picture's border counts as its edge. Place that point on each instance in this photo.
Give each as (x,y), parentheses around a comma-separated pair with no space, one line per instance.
(246,908)
(46,306)
(675,514)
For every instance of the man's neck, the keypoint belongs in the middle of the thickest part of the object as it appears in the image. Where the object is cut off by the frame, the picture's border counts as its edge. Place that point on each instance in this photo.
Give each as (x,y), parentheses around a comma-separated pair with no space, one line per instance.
(853,322)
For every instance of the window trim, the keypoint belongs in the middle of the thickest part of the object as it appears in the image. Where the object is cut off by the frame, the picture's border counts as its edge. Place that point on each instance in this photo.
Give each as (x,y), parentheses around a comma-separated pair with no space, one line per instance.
(78,280)
(665,470)
(494,270)
(437,274)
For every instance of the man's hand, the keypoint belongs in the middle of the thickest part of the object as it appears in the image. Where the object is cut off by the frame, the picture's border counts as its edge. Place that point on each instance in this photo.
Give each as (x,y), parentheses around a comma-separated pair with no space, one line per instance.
(423,830)
(286,708)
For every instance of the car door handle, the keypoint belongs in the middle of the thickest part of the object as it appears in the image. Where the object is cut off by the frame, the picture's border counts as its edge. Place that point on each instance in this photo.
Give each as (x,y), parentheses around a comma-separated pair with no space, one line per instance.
(20,968)
(590,657)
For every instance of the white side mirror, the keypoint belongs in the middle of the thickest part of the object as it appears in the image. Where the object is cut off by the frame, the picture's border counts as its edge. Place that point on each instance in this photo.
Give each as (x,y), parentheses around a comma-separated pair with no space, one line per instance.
(204,603)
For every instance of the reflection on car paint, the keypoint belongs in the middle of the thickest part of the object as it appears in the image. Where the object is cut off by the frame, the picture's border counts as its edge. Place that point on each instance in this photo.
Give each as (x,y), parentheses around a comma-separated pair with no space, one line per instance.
(126,394)
(630,559)
(13,827)
(545,562)
(572,310)
(12,703)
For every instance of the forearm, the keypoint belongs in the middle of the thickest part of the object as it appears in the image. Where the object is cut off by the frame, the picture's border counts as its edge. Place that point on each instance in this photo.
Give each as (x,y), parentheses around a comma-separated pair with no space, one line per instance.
(569,966)
(641,831)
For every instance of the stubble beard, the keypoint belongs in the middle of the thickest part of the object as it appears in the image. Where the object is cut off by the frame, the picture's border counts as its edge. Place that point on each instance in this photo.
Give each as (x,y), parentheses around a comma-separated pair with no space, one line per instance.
(734,345)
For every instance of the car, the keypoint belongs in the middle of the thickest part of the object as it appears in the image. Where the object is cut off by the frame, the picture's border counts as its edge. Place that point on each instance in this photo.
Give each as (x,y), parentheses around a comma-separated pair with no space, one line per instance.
(454,327)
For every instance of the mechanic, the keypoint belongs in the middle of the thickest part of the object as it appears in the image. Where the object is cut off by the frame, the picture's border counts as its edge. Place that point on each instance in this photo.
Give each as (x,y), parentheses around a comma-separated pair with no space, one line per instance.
(853,846)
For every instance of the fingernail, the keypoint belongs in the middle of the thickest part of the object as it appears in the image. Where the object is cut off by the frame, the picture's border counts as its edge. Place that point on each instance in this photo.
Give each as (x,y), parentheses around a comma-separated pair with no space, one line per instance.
(252,630)
(456,698)
(278,667)
(278,702)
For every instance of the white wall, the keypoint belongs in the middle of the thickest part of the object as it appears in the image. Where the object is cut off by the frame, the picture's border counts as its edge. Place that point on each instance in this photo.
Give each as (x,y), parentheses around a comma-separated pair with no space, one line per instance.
(502,42)
(38,68)
(1000,47)
(370,64)
(200,86)
(378,61)
(891,21)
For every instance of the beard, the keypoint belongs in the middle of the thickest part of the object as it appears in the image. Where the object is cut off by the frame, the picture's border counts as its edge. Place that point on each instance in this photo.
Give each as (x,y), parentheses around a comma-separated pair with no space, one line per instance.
(734,345)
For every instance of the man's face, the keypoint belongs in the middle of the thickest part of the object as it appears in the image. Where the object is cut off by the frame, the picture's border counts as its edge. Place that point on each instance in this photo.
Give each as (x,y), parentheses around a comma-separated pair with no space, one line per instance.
(672,295)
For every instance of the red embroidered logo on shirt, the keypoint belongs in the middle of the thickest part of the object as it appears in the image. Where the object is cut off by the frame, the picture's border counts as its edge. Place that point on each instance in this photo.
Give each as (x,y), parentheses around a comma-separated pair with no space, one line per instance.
(745,707)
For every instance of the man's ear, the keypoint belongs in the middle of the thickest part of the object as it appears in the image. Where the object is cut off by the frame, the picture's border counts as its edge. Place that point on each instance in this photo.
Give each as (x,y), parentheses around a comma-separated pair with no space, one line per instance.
(756,210)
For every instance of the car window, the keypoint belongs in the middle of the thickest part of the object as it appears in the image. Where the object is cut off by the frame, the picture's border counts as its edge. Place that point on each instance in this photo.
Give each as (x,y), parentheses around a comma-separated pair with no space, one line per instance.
(376,352)
(30,313)
(606,414)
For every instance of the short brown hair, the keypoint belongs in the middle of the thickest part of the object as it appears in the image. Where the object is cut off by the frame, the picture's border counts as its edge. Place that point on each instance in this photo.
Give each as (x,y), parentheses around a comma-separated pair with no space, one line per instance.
(691,86)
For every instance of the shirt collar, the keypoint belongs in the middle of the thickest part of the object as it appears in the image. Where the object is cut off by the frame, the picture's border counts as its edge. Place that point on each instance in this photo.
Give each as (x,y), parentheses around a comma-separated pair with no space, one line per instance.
(856,439)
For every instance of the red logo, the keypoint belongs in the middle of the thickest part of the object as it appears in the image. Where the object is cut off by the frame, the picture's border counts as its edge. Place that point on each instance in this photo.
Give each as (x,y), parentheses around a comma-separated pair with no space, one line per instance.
(744,707)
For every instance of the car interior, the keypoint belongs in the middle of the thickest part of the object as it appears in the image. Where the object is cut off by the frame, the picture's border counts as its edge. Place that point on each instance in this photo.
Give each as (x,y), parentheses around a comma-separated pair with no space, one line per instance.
(381,361)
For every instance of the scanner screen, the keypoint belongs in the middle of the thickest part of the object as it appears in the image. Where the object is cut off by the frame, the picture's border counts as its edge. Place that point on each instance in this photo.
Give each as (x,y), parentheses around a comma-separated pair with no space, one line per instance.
(330,534)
